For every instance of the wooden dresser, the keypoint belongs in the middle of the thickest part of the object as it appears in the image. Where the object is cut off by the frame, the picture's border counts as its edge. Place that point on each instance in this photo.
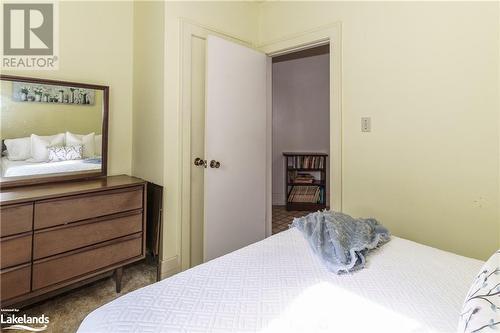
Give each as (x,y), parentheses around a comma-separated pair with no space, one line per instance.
(59,236)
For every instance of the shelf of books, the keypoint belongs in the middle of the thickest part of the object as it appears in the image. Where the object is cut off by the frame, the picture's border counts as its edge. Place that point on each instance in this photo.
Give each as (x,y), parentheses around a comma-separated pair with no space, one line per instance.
(305,179)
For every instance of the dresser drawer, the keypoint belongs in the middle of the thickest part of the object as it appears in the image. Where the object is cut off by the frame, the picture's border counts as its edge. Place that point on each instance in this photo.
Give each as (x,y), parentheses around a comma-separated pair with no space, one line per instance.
(77,235)
(80,207)
(15,281)
(50,271)
(16,219)
(15,250)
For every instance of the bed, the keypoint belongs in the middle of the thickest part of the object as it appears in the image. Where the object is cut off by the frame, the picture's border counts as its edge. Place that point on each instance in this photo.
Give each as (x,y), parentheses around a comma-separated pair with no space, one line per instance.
(26,168)
(279,285)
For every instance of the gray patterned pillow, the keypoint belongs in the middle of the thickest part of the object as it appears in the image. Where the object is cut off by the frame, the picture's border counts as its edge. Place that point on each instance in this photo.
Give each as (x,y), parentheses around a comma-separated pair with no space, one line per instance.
(481,309)
(65,153)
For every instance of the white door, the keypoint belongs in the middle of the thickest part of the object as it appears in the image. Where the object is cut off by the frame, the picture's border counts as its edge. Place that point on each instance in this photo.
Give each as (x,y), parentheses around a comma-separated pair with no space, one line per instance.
(235,136)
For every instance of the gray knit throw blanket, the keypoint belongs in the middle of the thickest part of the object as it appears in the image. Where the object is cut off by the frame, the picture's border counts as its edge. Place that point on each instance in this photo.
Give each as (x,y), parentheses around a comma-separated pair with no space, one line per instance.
(340,240)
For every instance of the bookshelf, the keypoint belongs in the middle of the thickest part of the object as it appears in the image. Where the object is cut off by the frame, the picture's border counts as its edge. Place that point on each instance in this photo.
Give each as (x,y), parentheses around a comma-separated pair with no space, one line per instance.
(305,180)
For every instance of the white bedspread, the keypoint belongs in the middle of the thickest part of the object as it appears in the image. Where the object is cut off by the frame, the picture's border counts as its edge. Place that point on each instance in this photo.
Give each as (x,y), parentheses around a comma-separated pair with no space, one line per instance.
(278,285)
(25,168)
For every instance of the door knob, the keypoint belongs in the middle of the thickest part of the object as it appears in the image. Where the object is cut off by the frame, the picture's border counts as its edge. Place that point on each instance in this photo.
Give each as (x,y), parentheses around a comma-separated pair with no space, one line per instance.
(214,164)
(200,162)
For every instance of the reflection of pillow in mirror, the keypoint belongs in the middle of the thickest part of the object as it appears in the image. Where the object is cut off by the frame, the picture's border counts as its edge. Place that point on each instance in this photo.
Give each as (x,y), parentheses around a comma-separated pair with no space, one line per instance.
(98,145)
(74,152)
(18,149)
(65,153)
(87,141)
(40,145)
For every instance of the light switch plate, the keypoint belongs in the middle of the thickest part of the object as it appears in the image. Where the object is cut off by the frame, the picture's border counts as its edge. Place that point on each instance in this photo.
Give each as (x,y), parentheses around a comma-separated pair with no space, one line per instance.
(366,124)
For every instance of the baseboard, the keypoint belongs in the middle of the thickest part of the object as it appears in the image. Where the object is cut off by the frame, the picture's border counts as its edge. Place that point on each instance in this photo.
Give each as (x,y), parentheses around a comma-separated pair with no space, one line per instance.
(170,266)
(279,199)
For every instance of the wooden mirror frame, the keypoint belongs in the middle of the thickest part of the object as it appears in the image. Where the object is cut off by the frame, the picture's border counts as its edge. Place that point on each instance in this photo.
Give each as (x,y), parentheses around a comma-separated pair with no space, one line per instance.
(64,176)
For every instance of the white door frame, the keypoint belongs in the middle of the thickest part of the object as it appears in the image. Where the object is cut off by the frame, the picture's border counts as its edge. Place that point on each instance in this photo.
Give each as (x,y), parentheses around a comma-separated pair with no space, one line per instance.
(328,34)
(187,31)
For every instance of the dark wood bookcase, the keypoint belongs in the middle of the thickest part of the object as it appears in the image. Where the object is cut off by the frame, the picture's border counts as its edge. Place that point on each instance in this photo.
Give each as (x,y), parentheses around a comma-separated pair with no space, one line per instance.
(305,180)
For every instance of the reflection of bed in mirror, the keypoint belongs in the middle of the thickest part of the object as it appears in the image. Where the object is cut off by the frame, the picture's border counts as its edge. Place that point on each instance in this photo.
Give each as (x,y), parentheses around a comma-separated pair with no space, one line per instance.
(24,168)
(45,155)
(51,130)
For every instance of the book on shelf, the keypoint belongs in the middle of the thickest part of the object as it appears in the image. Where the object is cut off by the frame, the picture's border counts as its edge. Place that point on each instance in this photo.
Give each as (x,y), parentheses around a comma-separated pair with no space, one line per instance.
(304,178)
(305,194)
(298,178)
(306,162)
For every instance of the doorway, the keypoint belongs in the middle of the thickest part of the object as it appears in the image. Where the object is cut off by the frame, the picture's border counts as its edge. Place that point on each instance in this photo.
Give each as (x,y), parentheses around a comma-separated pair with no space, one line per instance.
(300,134)
(192,107)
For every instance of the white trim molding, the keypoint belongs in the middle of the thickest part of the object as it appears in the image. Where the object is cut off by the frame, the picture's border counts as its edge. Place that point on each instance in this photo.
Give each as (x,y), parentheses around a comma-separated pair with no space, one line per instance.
(331,34)
(169,267)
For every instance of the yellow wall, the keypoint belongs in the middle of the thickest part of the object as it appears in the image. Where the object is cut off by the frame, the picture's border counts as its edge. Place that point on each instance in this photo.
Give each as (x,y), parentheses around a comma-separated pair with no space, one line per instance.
(236,18)
(429,170)
(427,73)
(21,119)
(147,138)
(96,46)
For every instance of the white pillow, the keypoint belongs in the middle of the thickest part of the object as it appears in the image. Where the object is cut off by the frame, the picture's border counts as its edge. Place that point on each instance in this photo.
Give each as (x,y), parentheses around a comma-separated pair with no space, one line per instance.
(98,145)
(87,141)
(481,309)
(40,145)
(18,149)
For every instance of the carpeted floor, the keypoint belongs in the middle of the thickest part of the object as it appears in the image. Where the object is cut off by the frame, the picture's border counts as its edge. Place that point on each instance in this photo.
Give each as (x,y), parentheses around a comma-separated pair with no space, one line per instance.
(282,218)
(67,311)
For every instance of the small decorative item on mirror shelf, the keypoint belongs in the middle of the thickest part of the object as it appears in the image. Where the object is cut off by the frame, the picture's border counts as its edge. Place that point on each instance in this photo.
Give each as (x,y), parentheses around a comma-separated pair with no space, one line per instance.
(40,93)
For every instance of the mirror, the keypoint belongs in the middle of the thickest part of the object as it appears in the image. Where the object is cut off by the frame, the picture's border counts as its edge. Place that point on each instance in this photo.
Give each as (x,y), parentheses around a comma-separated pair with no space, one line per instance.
(51,130)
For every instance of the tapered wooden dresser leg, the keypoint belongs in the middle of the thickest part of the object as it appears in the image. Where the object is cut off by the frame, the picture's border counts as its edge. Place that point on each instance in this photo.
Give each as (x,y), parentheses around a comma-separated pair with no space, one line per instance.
(118,279)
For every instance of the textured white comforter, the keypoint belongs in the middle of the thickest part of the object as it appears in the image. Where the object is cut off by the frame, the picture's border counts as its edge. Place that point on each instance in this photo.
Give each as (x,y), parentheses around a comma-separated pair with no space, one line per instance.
(278,285)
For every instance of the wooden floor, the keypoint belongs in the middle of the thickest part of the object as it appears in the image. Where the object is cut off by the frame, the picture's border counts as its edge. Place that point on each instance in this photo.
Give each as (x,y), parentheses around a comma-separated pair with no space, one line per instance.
(282,218)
